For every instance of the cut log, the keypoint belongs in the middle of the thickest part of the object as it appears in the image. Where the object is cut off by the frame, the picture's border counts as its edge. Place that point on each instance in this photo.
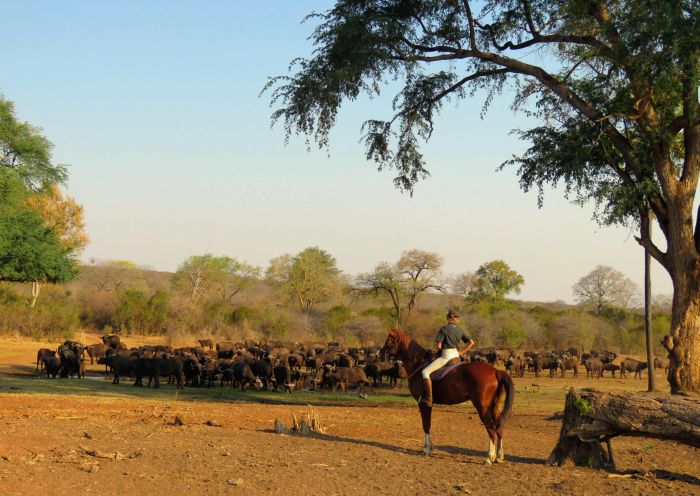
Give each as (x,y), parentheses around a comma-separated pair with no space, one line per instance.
(592,418)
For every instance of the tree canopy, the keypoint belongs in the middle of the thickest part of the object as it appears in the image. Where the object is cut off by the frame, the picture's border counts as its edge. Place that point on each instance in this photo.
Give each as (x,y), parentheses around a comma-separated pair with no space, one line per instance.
(309,277)
(604,286)
(614,90)
(29,250)
(495,280)
(26,151)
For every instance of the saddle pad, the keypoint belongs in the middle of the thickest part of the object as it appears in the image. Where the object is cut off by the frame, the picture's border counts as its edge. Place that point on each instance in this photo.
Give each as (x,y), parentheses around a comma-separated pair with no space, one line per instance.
(442,372)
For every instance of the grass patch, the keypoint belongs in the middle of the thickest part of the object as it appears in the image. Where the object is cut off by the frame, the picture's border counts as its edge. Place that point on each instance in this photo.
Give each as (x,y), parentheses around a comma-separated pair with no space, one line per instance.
(105,389)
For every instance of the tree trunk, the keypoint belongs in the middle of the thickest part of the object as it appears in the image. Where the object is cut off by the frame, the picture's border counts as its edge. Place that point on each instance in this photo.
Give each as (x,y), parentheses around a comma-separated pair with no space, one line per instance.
(36,287)
(683,344)
(594,417)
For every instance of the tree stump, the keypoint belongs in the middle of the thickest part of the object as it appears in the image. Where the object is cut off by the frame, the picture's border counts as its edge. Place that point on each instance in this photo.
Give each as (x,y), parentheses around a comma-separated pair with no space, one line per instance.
(592,418)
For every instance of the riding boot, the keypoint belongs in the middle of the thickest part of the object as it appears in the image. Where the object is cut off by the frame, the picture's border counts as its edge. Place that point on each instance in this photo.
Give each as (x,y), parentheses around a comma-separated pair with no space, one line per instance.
(427,398)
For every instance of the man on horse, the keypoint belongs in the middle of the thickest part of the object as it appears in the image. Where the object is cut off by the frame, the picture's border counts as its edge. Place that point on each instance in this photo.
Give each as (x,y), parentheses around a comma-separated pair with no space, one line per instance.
(447,340)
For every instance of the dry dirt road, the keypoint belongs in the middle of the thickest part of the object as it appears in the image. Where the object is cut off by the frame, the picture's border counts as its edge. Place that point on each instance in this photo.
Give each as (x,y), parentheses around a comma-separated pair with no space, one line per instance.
(90,437)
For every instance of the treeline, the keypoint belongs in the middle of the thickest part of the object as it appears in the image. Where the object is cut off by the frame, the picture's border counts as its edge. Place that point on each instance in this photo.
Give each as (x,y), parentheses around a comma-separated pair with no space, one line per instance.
(305,297)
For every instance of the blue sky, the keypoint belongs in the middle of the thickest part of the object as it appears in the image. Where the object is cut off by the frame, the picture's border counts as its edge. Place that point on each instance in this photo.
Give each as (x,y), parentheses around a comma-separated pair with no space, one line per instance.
(155,107)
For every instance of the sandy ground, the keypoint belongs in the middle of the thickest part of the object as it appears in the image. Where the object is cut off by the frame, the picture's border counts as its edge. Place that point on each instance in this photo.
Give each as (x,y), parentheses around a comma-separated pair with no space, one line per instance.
(120,440)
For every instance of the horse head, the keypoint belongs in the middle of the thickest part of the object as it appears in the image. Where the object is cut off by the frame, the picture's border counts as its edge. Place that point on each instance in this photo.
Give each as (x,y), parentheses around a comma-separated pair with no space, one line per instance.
(393,344)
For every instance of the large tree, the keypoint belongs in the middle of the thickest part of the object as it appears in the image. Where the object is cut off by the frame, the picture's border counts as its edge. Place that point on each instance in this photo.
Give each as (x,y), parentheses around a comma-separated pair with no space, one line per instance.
(29,173)
(617,102)
(604,286)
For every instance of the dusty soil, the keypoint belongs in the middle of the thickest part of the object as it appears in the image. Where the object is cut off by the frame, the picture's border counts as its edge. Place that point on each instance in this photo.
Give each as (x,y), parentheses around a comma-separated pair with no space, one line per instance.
(52,430)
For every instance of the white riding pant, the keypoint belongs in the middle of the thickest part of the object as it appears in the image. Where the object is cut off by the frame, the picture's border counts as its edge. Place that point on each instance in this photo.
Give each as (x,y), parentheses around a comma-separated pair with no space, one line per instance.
(439,362)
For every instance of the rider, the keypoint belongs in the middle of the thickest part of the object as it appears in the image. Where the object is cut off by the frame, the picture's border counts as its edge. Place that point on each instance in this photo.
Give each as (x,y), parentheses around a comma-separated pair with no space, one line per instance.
(448,338)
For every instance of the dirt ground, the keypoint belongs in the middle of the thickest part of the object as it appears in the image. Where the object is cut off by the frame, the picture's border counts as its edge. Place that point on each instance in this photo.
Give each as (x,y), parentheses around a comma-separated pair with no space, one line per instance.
(91,437)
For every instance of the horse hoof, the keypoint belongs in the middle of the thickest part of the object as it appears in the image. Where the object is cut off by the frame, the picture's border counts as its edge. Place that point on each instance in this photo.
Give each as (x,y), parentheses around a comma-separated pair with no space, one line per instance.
(427,452)
(500,460)
(487,461)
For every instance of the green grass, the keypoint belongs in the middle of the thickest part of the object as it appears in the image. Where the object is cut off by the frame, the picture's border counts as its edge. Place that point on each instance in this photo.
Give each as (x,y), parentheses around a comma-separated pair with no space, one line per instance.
(105,389)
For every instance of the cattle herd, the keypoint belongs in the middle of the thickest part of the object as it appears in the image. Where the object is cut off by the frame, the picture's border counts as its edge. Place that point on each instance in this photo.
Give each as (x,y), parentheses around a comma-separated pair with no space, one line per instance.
(286,366)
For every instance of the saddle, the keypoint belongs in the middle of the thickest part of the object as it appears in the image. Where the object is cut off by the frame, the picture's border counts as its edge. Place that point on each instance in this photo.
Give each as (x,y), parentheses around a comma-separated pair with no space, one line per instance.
(443,371)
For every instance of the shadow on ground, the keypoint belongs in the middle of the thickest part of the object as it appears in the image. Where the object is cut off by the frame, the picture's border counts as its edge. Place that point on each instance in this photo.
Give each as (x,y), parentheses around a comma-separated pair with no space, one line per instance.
(452,450)
(101,386)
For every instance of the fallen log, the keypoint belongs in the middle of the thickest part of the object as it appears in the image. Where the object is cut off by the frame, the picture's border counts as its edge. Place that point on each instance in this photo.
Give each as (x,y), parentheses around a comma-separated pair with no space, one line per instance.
(592,418)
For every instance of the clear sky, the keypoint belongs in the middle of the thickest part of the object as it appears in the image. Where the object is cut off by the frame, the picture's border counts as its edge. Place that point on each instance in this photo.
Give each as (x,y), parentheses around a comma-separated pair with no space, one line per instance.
(155,107)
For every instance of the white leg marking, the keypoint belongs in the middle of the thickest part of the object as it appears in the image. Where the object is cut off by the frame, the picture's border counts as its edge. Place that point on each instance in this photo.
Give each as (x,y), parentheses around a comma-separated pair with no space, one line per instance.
(500,454)
(492,453)
(428,447)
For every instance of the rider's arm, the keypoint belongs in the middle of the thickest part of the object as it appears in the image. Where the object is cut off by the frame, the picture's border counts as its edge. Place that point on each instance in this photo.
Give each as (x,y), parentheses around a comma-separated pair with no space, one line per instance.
(470,345)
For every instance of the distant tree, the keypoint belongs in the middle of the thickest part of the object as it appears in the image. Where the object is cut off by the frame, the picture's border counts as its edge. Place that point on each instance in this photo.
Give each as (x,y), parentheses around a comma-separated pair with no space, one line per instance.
(64,216)
(29,250)
(114,276)
(604,286)
(386,280)
(309,277)
(421,272)
(495,280)
(130,314)
(229,276)
(195,274)
(415,273)
(463,285)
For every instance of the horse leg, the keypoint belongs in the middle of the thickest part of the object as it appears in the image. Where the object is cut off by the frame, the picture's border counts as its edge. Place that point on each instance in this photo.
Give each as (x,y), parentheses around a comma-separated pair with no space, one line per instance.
(489,423)
(425,415)
(500,455)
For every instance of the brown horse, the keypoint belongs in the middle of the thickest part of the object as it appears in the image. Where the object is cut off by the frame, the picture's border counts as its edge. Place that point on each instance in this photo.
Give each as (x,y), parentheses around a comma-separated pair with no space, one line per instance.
(479,382)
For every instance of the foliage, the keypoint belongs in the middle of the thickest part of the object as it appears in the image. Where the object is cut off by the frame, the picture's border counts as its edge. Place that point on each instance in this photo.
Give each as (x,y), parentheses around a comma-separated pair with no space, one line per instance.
(416,272)
(309,277)
(605,286)
(26,152)
(582,406)
(63,215)
(114,276)
(494,280)
(337,316)
(54,319)
(29,251)
(130,313)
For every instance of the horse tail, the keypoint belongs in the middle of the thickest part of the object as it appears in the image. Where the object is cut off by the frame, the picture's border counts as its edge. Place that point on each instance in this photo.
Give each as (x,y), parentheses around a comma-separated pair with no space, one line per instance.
(505,383)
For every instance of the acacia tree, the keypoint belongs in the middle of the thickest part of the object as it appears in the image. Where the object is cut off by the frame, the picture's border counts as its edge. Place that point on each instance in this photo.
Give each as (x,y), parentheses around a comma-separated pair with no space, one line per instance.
(416,272)
(420,272)
(384,279)
(617,102)
(604,286)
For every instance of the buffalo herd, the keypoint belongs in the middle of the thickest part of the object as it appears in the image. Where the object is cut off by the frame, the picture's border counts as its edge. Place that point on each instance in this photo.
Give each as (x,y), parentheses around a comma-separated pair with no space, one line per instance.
(286,366)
